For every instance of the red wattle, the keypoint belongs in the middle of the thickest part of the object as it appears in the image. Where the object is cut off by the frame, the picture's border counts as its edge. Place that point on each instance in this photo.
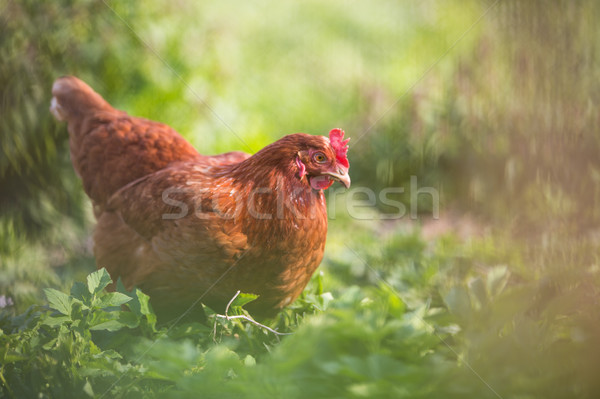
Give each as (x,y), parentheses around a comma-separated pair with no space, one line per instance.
(320,182)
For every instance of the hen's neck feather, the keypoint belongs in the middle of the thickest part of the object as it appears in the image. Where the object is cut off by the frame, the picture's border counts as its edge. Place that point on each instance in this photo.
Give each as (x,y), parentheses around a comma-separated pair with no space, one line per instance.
(271,179)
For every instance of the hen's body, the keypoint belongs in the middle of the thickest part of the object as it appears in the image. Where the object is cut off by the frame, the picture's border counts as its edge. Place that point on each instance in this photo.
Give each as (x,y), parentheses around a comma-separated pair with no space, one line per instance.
(186,227)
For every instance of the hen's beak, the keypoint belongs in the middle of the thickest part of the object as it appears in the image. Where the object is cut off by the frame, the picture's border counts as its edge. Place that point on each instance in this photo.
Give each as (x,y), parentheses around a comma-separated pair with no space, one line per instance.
(341,175)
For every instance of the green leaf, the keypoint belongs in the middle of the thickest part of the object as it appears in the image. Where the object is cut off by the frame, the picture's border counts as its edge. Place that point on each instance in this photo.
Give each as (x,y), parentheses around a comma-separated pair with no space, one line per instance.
(140,305)
(112,299)
(81,292)
(50,344)
(319,279)
(151,317)
(98,280)
(110,325)
(55,321)
(58,301)
(140,301)
(129,319)
(134,305)
(144,301)
(242,299)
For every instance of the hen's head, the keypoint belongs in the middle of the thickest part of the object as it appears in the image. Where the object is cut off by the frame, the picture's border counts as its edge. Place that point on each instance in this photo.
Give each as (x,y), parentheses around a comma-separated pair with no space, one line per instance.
(322,161)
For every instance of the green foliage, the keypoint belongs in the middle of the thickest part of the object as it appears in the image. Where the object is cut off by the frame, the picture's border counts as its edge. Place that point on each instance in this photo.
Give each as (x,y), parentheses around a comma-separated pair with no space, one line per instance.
(464,330)
(92,342)
(504,125)
(40,42)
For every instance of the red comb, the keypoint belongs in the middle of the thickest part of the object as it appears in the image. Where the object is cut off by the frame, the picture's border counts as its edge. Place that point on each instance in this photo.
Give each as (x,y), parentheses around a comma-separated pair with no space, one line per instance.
(339,145)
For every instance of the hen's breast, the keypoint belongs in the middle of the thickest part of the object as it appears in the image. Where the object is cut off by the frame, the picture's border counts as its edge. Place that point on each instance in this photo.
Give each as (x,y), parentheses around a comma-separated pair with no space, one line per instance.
(285,248)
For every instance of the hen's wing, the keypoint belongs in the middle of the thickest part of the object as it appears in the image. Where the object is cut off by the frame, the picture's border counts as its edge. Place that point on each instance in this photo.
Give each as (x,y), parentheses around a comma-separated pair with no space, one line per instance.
(169,230)
(227,158)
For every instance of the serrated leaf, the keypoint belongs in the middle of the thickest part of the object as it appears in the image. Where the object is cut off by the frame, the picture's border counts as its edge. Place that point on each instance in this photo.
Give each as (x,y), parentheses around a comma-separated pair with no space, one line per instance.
(144,301)
(98,280)
(139,306)
(134,305)
(112,299)
(80,291)
(129,319)
(58,301)
(54,321)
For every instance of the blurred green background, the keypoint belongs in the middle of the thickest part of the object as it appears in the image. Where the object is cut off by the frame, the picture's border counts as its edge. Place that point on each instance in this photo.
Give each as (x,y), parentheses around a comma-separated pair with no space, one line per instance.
(495,104)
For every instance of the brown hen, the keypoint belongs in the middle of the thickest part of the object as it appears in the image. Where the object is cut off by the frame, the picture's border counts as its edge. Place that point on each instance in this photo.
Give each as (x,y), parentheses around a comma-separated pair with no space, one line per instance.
(185,227)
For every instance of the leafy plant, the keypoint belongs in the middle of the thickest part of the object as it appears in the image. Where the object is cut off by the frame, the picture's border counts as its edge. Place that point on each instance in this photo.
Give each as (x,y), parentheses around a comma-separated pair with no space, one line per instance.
(59,344)
(91,342)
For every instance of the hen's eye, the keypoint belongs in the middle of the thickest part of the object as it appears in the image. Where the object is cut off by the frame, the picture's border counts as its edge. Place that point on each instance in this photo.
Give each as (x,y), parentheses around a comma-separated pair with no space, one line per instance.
(320,157)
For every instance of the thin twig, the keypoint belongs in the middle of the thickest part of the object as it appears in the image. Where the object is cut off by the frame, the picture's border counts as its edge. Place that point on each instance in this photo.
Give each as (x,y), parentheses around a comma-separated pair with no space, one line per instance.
(256,323)
(231,301)
(243,317)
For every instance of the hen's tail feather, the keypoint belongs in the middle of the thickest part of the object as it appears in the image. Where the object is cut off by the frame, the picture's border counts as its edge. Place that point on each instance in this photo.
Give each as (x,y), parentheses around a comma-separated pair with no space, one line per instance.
(72,99)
